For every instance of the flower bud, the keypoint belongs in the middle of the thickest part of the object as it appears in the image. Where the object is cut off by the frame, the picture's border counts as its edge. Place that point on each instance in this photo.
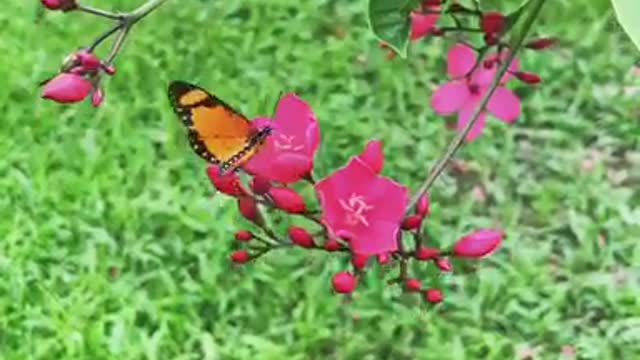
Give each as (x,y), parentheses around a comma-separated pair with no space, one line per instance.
(248,208)
(541,43)
(64,5)
(332,245)
(300,237)
(444,264)
(109,69)
(287,199)
(383,258)
(527,77)
(423,207)
(243,235)
(359,261)
(412,284)
(490,39)
(433,296)
(240,256)
(228,183)
(87,60)
(344,282)
(67,88)
(411,222)
(478,244)
(97,97)
(493,22)
(426,253)
(260,185)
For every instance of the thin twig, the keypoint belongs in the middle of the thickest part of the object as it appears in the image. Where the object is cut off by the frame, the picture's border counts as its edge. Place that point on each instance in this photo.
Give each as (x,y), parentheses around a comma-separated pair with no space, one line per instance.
(104,36)
(100,12)
(458,140)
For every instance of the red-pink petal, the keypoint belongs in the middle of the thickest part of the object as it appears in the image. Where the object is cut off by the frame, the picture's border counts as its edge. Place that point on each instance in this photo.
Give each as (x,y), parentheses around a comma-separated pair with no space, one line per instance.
(450,97)
(504,105)
(460,60)
(421,24)
(463,118)
(372,155)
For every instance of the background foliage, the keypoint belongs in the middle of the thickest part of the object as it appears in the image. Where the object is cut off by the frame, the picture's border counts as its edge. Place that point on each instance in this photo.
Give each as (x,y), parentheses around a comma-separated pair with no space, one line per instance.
(86,192)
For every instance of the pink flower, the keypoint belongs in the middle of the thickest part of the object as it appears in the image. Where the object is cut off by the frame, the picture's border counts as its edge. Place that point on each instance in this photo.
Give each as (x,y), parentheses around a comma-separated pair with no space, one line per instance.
(423,24)
(287,155)
(361,206)
(462,95)
(67,88)
(228,183)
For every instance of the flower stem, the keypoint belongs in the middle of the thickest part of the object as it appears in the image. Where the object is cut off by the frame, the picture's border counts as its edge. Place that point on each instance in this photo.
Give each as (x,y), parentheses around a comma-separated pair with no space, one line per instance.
(144,10)
(100,12)
(458,140)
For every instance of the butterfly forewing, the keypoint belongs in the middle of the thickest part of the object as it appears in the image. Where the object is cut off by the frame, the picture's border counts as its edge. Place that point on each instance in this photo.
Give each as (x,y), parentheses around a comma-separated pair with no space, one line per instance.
(217,132)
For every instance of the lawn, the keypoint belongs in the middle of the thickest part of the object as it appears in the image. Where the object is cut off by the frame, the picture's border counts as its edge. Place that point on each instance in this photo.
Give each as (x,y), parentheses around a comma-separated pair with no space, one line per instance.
(112,246)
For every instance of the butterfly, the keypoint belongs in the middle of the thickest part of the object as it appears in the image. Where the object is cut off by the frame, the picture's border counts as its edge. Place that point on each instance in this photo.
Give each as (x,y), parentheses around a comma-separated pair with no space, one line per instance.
(217,132)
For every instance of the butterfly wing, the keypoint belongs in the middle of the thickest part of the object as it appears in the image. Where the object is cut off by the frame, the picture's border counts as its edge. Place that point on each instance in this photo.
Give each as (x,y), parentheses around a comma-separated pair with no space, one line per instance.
(217,132)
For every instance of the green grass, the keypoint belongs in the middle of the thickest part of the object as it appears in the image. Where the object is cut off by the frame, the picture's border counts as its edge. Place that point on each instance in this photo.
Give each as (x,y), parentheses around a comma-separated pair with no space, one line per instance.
(82,191)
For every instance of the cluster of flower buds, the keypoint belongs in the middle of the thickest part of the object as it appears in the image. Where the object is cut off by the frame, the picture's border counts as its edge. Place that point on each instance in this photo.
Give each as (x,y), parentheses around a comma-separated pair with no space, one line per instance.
(362,214)
(79,78)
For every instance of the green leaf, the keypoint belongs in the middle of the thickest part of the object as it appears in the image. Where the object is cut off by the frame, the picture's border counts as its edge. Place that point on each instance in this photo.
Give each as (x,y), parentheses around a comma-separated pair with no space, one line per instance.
(627,12)
(390,22)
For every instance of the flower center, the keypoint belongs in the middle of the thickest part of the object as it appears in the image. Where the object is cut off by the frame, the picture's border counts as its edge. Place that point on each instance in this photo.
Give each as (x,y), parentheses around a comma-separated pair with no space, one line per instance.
(474,89)
(286,142)
(354,208)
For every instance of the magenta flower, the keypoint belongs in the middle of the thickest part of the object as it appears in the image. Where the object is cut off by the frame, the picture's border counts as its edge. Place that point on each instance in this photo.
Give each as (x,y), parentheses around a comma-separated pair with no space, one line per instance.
(468,86)
(287,155)
(361,206)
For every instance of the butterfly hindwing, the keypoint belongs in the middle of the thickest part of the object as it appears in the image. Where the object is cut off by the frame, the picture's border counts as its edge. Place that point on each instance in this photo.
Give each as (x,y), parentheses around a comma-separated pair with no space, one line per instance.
(216,132)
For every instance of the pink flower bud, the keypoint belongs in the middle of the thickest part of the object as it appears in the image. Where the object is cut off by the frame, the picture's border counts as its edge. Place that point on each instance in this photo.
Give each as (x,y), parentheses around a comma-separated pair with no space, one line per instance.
(411,222)
(478,244)
(436,31)
(427,253)
(332,245)
(67,88)
(228,183)
(383,258)
(490,39)
(64,5)
(423,207)
(97,97)
(87,60)
(428,3)
(344,282)
(240,256)
(492,22)
(248,208)
(359,261)
(287,199)
(109,69)
(527,77)
(412,284)
(540,44)
(433,296)
(244,235)
(259,185)
(444,264)
(300,237)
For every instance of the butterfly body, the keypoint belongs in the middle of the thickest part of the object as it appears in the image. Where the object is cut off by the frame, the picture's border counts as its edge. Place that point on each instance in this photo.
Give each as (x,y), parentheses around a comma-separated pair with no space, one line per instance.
(218,133)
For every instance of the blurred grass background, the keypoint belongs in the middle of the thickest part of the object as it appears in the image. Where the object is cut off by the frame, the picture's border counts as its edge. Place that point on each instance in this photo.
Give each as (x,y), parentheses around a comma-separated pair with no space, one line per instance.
(84,192)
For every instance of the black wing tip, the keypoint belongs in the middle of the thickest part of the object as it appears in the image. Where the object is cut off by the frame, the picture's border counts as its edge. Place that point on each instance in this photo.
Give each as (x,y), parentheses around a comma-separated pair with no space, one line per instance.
(179,86)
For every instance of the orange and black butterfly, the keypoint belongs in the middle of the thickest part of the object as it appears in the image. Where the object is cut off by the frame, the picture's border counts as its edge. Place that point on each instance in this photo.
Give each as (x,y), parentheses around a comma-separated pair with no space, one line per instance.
(217,132)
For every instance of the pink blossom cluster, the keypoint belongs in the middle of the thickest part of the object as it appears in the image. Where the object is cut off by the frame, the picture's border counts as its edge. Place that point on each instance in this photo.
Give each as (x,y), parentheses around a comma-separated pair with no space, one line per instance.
(471,75)
(362,213)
